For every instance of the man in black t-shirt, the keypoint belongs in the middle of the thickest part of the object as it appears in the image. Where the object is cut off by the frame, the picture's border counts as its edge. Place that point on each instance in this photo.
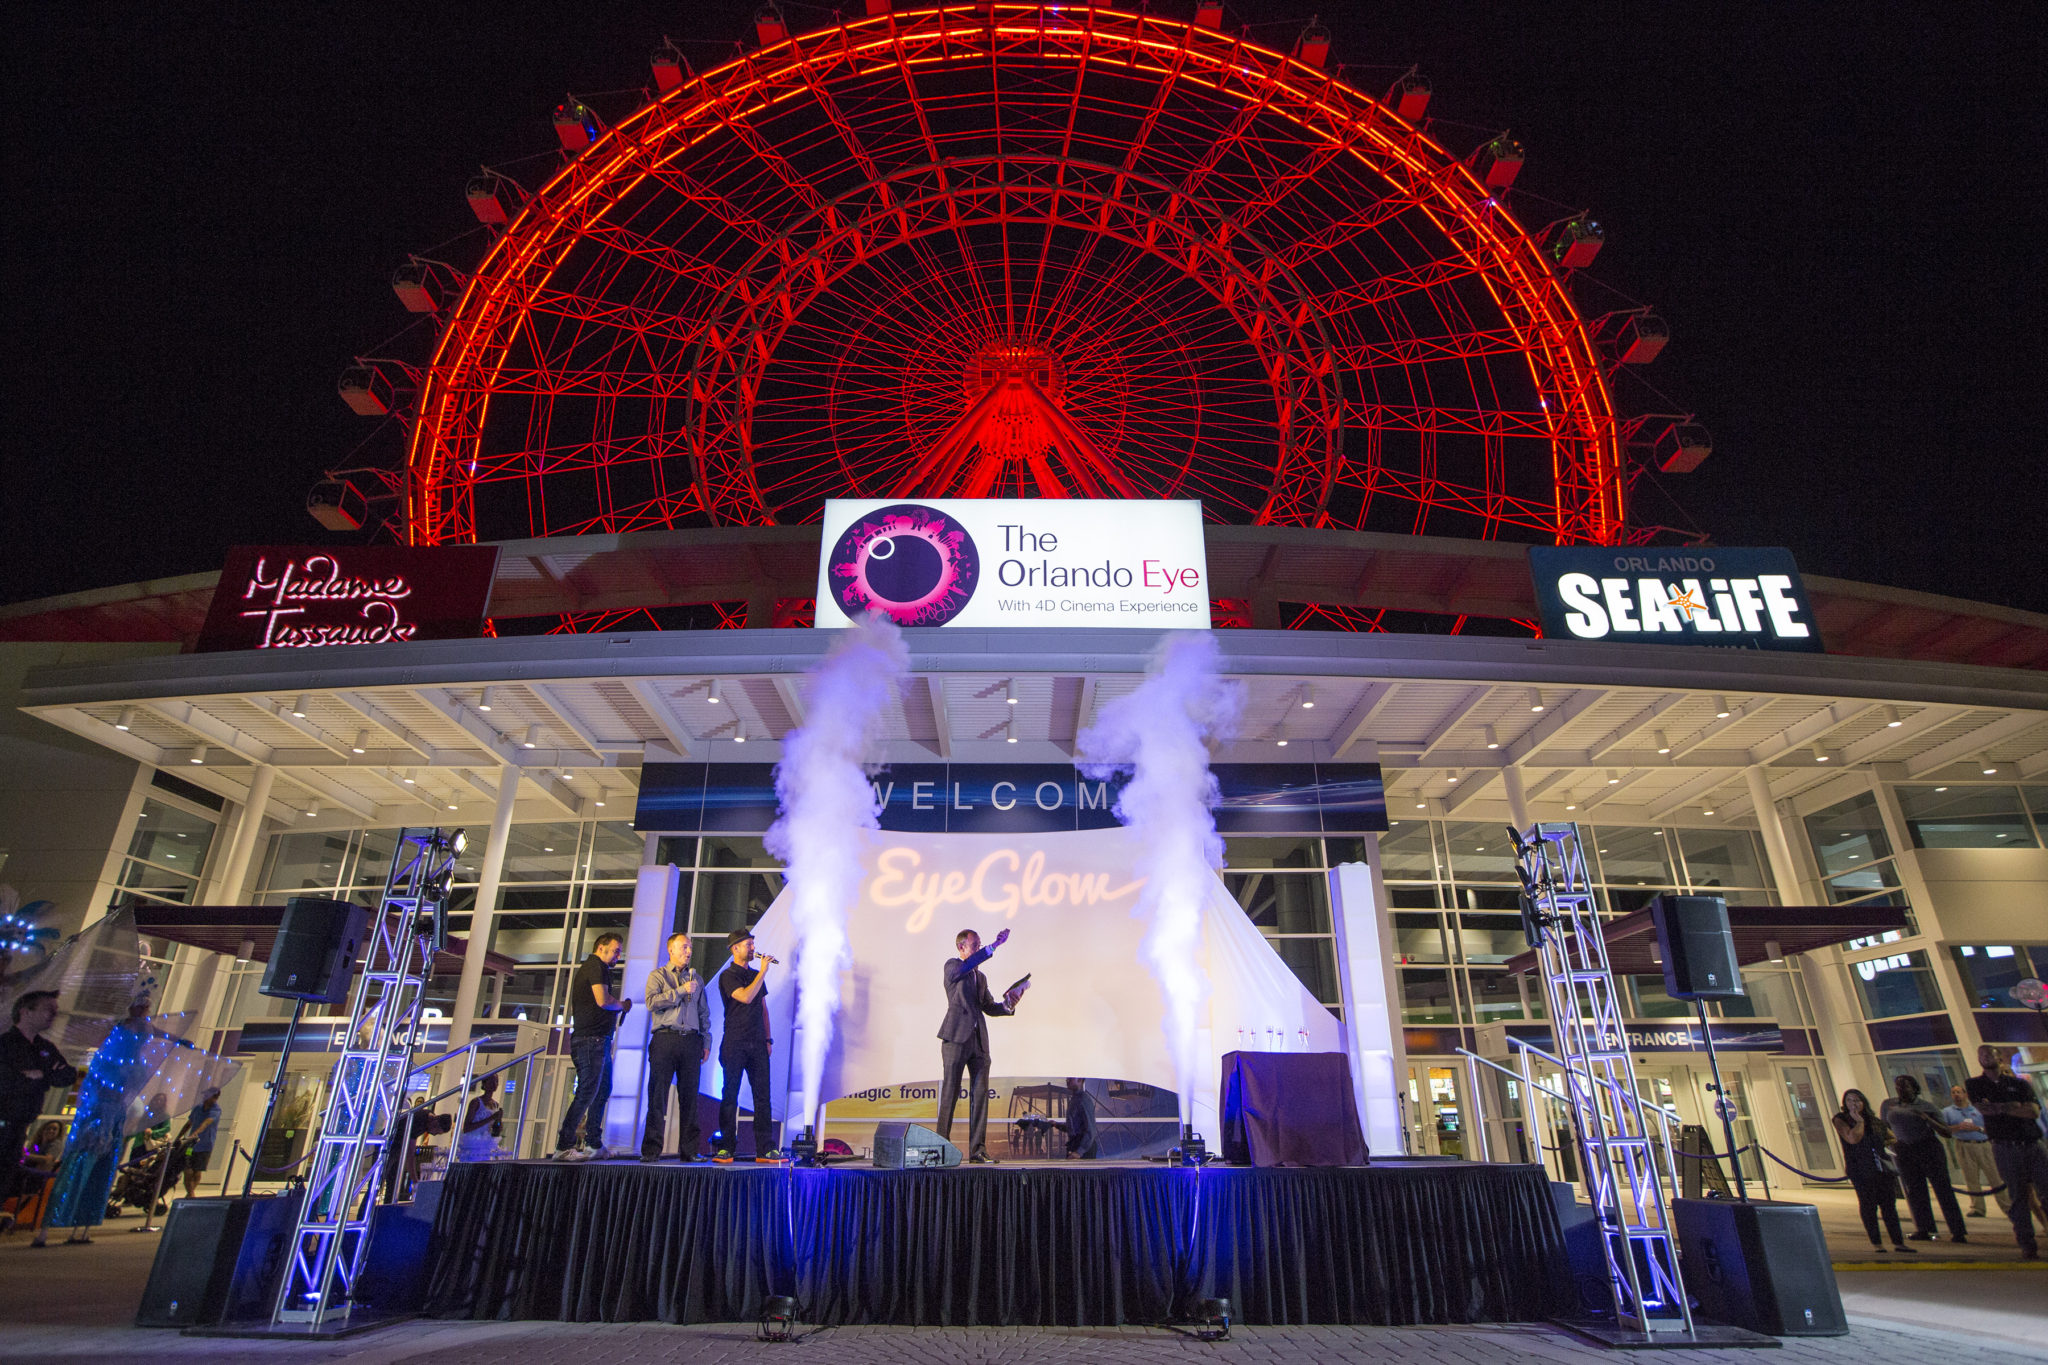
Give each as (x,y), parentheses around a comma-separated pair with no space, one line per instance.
(594,1013)
(2011,1112)
(30,1066)
(743,1050)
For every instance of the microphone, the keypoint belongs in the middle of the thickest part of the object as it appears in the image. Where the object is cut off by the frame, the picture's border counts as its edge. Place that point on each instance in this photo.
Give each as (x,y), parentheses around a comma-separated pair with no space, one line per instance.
(765,958)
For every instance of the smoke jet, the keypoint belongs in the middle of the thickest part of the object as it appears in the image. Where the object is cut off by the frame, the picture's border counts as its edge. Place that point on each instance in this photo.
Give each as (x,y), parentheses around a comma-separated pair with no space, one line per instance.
(1161,734)
(826,802)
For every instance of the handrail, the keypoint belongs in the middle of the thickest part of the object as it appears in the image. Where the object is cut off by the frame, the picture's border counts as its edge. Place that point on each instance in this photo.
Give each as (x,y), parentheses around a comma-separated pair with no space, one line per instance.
(471,1080)
(1514,1075)
(453,1053)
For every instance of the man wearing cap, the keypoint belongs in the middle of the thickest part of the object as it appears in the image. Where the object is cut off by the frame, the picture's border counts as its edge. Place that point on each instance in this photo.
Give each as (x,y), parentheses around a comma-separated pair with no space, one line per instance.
(743,1051)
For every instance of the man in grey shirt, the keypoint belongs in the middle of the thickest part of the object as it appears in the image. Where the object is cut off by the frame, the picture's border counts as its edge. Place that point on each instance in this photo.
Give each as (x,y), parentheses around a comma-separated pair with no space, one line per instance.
(675,1050)
(1917,1130)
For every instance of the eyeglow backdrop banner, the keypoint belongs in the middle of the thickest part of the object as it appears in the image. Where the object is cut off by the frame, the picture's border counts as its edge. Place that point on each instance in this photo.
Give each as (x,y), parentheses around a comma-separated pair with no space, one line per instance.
(1093,1008)
(981,562)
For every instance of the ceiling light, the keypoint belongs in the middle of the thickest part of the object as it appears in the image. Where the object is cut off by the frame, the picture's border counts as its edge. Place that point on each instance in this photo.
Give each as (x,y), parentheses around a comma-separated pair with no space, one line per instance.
(362,744)
(532,737)
(1571,807)
(1492,740)
(1891,718)
(1422,805)
(299,707)
(1820,755)
(739,738)
(199,754)
(1010,692)
(600,803)
(1986,766)
(246,951)
(1941,789)
(1613,778)
(406,778)
(451,805)
(547,848)
(1663,743)
(1706,812)
(715,697)
(1282,743)
(1535,701)
(1721,711)
(483,703)
(1308,701)
(312,810)
(1453,779)
(126,720)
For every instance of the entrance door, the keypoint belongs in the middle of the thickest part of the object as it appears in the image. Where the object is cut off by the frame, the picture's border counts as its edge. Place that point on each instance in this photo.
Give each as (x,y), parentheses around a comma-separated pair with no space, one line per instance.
(1807,1112)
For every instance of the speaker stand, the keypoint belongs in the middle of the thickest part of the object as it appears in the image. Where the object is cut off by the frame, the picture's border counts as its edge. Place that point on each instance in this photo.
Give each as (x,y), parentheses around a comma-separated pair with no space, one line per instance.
(284,1057)
(1723,1106)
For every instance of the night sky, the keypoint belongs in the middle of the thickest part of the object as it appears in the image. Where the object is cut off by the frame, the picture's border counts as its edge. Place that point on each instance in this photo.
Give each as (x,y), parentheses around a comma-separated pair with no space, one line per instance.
(1838,209)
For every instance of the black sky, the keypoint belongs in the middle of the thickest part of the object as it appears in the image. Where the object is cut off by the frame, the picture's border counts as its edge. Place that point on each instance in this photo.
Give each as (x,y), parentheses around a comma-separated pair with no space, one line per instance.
(1839,209)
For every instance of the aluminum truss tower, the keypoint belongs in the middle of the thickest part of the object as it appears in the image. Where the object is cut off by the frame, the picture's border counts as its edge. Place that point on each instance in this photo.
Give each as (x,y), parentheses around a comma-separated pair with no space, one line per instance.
(332,1240)
(1617,1152)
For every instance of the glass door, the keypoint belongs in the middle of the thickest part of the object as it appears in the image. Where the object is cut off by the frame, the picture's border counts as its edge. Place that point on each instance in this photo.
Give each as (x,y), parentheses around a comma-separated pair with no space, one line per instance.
(1807,1110)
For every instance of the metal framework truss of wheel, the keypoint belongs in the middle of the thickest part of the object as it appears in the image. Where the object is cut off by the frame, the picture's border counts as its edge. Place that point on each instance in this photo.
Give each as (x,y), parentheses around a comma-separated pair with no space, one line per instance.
(997,250)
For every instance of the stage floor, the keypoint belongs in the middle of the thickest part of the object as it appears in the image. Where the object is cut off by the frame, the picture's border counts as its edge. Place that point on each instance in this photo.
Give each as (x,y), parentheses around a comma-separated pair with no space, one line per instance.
(1047,1243)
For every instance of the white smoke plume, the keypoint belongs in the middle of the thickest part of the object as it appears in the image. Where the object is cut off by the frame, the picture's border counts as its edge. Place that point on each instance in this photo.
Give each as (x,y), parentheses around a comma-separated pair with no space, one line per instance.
(1161,734)
(826,801)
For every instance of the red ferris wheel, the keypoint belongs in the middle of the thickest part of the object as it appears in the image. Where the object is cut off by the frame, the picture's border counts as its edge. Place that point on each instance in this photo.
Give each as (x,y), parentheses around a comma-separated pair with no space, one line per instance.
(1017,250)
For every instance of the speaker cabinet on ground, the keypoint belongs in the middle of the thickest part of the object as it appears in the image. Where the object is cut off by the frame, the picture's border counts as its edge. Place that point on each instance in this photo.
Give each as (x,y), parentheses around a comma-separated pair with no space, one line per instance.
(912,1145)
(1698,947)
(219,1260)
(1761,1264)
(318,942)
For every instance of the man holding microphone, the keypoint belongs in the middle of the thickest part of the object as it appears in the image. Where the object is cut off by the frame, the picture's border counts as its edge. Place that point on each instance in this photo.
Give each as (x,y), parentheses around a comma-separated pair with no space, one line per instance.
(744,1050)
(680,1019)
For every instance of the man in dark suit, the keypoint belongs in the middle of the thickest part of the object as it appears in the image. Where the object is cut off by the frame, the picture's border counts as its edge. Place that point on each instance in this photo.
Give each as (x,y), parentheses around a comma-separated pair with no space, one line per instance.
(964,1037)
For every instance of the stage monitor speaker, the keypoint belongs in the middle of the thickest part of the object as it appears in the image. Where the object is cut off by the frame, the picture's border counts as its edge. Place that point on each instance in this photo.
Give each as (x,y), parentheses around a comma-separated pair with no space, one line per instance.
(911,1146)
(218,1260)
(1698,947)
(1761,1264)
(314,958)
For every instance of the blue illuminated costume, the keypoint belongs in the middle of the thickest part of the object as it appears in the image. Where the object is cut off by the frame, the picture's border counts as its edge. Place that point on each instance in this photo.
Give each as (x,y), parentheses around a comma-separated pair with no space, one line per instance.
(118,1071)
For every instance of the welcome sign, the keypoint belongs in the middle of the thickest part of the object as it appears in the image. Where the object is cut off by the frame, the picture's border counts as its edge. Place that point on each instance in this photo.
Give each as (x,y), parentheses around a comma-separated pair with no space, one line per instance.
(1071,562)
(1733,598)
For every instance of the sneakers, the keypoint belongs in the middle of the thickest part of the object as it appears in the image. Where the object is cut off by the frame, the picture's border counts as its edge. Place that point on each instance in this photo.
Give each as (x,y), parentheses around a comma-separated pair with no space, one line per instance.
(585,1153)
(1919,1236)
(772,1157)
(649,1158)
(723,1156)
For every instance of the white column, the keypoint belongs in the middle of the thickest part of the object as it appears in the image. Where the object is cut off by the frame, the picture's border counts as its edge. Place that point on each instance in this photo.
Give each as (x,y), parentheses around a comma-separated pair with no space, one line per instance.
(489,875)
(1372,1029)
(654,910)
(1518,799)
(236,873)
(1778,852)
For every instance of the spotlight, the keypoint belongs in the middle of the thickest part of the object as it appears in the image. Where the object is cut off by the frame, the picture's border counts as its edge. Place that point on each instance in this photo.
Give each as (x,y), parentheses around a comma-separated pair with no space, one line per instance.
(1663,744)
(362,744)
(1891,718)
(199,754)
(246,951)
(1721,711)
(126,720)
(1209,1319)
(715,697)
(1010,692)
(457,842)
(778,1318)
(1821,755)
(1535,701)
(483,703)
(532,739)
(1492,740)
(299,707)
(312,809)
(740,737)
(1985,765)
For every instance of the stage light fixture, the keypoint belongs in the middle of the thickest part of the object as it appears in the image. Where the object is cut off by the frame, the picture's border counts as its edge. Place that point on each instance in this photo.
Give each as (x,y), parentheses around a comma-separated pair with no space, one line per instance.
(299,707)
(126,720)
(778,1318)
(483,703)
(457,842)
(1663,743)
(1721,711)
(1891,718)
(1492,740)
(1209,1319)
(362,744)
(716,696)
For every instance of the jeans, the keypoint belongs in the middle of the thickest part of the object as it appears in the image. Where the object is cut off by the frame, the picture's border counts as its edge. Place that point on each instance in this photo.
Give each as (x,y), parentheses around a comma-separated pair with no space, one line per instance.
(1921,1164)
(1980,1172)
(592,1058)
(2023,1166)
(748,1059)
(966,1057)
(673,1058)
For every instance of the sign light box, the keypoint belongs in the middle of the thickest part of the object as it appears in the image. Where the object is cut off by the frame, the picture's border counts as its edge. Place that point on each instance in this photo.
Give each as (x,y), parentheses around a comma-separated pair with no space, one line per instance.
(1015,562)
(1736,599)
(305,597)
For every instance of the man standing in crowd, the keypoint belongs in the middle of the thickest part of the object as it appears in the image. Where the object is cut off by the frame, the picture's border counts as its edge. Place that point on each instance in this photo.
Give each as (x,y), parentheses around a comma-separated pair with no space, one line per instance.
(1083,1141)
(1917,1131)
(2011,1115)
(680,1018)
(202,1125)
(744,1050)
(1973,1151)
(963,1037)
(29,1066)
(595,1010)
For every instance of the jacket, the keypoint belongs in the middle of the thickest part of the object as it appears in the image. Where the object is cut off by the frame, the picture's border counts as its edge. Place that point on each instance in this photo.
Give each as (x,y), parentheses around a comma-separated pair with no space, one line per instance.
(968,1003)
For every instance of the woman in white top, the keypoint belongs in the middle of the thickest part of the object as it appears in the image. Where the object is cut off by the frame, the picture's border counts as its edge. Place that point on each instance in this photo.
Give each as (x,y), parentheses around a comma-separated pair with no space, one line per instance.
(482,1124)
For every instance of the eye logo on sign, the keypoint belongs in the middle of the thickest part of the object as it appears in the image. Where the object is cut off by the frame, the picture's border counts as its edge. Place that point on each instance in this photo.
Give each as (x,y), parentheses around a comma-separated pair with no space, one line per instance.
(913,563)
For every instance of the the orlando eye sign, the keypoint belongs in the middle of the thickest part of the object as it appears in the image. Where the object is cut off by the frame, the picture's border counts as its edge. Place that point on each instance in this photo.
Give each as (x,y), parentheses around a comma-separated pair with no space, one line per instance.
(981,562)
(1711,595)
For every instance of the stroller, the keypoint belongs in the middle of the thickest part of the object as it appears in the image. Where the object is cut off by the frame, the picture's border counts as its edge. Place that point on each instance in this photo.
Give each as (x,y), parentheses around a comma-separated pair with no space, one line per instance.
(143,1175)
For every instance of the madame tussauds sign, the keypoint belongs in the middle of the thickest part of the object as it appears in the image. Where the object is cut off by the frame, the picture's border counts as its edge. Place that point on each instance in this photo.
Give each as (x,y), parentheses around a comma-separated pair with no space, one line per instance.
(308,597)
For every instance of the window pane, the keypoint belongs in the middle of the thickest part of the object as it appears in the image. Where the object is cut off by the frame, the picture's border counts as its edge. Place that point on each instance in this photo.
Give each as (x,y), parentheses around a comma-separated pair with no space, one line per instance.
(541,853)
(1900,984)
(305,862)
(1991,970)
(615,852)
(1864,883)
(1426,996)
(1633,857)
(1413,897)
(1283,902)
(2037,805)
(1490,898)
(1653,1003)
(1717,858)
(373,857)
(1847,833)
(172,837)
(732,900)
(1480,852)
(678,849)
(1495,997)
(1408,854)
(1420,938)
(728,851)
(1314,962)
(1344,851)
(153,883)
(1247,852)
(1965,817)
(530,937)
(1491,938)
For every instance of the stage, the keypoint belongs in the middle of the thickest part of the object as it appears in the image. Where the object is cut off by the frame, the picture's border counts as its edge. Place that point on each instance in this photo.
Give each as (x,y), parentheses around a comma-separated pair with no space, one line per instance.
(1038,1244)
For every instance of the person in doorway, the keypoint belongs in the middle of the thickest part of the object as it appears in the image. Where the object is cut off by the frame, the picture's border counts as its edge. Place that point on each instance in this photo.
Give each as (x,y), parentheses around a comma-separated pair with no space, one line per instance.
(1973,1151)
(744,1051)
(963,1037)
(1917,1131)
(681,1019)
(482,1122)
(30,1065)
(596,1009)
(1083,1139)
(2012,1114)
(202,1126)
(1863,1136)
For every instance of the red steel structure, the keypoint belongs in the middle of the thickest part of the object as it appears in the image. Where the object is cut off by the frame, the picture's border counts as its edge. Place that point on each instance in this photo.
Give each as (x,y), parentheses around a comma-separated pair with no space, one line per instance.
(993,250)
